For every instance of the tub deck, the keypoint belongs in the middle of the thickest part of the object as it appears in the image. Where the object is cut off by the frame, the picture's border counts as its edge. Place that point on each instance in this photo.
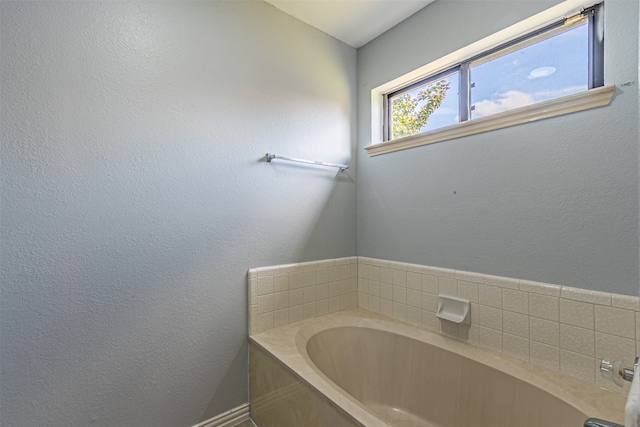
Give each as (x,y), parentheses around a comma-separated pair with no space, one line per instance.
(319,373)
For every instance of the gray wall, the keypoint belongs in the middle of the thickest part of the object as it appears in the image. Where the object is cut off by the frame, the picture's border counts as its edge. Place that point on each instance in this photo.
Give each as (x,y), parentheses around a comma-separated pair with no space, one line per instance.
(134,199)
(554,201)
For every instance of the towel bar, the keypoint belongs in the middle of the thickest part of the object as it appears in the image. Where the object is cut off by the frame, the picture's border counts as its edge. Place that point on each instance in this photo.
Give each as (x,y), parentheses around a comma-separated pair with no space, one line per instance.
(270,157)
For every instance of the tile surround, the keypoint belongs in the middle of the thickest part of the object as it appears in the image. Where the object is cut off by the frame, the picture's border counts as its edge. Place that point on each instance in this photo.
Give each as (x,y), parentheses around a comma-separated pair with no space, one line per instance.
(560,328)
(563,329)
(284,294)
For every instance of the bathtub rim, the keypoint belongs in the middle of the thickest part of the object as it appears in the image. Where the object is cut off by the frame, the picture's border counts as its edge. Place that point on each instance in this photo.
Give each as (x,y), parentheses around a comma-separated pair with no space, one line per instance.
(288,345)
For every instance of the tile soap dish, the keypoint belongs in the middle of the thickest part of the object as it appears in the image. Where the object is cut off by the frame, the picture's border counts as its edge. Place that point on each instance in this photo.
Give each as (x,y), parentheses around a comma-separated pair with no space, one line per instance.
(453,309)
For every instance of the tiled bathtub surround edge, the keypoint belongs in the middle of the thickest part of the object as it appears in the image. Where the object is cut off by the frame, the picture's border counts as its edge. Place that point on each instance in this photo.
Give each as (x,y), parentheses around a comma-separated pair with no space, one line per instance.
(564,329)
(284,294)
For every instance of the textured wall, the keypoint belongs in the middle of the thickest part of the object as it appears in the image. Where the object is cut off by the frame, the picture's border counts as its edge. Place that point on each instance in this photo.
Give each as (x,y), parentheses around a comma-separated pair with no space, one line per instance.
(552,201)
(134,201)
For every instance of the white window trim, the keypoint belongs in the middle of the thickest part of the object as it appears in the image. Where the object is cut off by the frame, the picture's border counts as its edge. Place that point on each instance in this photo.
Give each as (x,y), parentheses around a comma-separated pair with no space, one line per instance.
(568,104)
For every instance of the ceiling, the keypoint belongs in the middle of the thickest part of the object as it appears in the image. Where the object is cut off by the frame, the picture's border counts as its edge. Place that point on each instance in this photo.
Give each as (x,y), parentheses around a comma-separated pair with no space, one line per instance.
(355,22)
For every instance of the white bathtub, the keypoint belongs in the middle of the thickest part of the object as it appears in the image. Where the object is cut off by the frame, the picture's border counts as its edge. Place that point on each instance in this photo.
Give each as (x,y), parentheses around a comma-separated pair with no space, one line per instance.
(357,368)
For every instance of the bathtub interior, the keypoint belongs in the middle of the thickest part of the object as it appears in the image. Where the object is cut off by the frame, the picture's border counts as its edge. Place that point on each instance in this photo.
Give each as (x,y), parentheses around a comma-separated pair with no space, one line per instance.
(407,382)
(375,371)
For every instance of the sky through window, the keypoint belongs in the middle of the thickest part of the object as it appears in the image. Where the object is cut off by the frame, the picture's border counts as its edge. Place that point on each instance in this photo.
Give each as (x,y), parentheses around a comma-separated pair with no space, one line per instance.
(547,69)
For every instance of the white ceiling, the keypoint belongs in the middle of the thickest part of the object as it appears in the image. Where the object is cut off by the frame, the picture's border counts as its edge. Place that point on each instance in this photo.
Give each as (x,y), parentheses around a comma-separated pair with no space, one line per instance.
(355,22)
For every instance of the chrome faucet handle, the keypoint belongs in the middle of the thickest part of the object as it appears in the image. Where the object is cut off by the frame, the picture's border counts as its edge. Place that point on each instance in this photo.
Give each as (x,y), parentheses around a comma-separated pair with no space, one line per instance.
(614,371)
(628,373)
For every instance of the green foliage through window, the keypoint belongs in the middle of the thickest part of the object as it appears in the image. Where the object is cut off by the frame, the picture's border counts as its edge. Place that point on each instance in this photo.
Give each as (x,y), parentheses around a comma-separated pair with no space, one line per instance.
(411,113)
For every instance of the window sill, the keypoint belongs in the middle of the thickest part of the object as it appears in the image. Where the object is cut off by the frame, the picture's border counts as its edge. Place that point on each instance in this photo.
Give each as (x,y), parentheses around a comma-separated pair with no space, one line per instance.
(593,98)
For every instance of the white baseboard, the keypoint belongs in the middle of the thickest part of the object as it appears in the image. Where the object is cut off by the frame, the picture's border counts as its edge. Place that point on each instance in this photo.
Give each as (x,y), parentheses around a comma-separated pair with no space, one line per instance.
(228,419)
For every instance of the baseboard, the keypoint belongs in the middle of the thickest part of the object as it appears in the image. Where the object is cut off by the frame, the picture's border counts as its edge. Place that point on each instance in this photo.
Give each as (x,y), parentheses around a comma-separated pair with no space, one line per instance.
(228,419)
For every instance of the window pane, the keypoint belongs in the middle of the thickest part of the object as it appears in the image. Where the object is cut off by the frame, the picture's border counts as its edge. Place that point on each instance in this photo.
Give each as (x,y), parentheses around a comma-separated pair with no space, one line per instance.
(554,67)
(430,106)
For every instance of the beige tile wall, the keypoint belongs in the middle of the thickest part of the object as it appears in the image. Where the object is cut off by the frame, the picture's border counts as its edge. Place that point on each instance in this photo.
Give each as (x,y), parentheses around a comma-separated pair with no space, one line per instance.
(283,294)
(564,329)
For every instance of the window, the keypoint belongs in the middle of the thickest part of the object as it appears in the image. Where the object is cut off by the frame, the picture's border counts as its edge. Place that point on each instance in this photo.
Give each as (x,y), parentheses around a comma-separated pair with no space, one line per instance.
(561,59)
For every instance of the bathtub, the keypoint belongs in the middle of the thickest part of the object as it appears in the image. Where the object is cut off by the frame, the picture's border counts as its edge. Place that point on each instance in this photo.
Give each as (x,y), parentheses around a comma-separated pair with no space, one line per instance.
(358,368)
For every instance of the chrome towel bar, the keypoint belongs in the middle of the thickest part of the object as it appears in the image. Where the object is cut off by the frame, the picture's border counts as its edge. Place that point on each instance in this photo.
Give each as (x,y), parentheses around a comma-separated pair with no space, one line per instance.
(270,157)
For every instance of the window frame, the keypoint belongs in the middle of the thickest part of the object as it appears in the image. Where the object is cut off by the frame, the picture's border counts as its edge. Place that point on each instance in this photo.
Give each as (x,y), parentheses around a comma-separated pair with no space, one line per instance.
(561,18)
